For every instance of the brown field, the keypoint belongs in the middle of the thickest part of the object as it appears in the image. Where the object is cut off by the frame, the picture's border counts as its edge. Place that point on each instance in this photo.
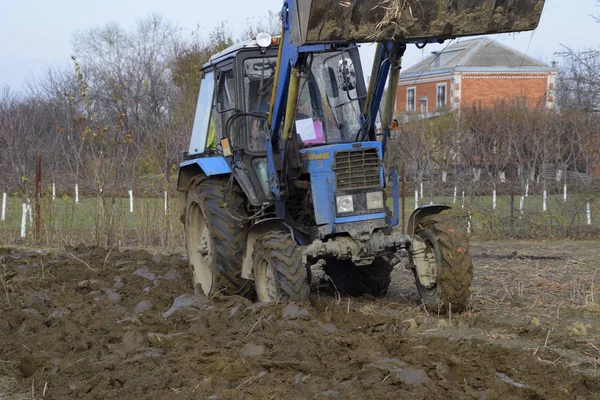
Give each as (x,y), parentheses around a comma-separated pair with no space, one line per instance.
(87,322)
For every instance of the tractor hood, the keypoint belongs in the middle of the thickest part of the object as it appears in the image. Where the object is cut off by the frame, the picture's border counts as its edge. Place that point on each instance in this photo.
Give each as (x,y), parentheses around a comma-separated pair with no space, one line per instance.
(335,21)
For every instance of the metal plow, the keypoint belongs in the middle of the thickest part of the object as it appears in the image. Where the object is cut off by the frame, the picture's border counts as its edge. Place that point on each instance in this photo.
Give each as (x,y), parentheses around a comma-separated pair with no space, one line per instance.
(327,21)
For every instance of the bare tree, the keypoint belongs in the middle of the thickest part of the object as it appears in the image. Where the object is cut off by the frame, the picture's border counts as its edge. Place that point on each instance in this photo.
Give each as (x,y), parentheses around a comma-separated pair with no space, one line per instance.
(24,127)
(271,24)
(578,85)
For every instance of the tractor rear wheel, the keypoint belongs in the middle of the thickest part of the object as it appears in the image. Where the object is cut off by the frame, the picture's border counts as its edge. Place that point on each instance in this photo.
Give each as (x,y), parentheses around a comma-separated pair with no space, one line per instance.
(279,273)
(215,240)
(449,244)
(356,280)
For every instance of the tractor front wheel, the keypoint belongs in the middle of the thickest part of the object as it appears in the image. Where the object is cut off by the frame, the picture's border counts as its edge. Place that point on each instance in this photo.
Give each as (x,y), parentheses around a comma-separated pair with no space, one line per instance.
(449,245)
(279,273)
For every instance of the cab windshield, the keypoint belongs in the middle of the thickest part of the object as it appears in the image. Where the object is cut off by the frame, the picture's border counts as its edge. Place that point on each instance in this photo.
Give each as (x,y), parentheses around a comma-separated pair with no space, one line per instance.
(329,106)
(329,103)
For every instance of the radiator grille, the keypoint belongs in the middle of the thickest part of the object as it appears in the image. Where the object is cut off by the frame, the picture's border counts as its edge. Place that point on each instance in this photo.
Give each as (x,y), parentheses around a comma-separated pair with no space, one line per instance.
(356,169)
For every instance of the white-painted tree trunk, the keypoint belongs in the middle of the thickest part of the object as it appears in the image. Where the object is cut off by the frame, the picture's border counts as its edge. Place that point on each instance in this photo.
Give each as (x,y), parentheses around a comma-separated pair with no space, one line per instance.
(53,191)
(469,223)
(527,189)
(421,190)
(502,176)
(558,175)
(416,199)
(521,206)
(166,202)
(24,221)
(494,200)
(131,201)
(454,197)
(4,206)
(463,200)
(444,176)
(545,201)
(588,213)
(76,193)
(565,193)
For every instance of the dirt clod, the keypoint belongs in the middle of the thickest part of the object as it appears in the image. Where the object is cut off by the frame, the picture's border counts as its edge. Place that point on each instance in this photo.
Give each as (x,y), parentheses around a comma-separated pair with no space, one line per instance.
(142,306)
(294,311)
(411,323)
(252,350)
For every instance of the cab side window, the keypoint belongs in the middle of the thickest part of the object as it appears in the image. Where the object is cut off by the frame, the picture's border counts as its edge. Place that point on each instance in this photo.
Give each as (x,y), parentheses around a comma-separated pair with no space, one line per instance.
(225,104)
(203,119)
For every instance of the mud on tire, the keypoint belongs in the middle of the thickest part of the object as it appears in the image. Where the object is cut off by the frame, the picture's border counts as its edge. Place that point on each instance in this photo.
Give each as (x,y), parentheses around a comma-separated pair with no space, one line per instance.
(279,272)
(353,280)
(227,234)
(451,245)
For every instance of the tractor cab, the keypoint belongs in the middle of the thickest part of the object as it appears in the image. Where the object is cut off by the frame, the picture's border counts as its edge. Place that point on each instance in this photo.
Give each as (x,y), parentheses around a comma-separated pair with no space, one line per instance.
(233,108)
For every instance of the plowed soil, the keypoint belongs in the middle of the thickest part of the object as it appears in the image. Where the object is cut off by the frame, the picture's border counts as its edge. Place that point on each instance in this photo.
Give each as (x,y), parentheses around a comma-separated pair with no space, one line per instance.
(88,322)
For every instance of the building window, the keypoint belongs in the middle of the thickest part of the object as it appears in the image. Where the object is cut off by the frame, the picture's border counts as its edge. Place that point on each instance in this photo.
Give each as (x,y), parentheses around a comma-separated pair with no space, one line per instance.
(410,99)
(441,96)
(423,103)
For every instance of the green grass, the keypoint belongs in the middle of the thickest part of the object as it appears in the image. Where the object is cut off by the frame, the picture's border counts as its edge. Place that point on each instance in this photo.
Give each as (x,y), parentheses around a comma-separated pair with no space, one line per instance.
(64,222)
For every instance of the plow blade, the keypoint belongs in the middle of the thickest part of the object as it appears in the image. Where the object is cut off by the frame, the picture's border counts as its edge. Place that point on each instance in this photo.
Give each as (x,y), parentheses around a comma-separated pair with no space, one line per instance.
(359,21)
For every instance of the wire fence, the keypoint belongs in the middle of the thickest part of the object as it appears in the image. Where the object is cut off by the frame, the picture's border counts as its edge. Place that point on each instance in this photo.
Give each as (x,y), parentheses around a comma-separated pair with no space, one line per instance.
(561,206)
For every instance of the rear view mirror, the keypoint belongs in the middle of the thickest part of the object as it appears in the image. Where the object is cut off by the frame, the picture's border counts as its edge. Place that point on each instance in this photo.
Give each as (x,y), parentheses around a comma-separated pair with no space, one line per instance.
(346,75)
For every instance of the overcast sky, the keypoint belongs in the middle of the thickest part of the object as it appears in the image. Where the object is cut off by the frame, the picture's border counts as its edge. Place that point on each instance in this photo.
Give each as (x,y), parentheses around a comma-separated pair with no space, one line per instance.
(36,34)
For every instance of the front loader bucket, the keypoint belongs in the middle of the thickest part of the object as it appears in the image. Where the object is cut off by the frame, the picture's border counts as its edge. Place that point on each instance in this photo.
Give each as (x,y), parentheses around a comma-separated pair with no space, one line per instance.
(359,21)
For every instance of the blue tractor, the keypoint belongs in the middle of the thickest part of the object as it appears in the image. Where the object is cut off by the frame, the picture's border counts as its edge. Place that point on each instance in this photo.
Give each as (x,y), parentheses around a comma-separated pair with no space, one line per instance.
(284,168)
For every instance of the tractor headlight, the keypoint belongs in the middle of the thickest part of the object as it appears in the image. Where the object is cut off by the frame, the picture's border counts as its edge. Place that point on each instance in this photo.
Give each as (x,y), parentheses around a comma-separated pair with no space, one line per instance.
(374,200)
(263,39)
(345,204)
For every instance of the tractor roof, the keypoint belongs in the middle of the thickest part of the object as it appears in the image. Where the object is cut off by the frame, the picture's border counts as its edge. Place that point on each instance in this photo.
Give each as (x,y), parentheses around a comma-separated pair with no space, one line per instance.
(232,51)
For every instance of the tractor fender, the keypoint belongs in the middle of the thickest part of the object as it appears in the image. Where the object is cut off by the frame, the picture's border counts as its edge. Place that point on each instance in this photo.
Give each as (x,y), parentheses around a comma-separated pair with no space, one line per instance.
(257,230)
(207,166)
(199,170)
(422,212)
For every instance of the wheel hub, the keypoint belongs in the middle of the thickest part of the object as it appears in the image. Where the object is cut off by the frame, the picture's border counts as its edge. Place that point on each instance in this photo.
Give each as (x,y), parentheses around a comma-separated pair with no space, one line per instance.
(201,260)
(425,262)
(266,282)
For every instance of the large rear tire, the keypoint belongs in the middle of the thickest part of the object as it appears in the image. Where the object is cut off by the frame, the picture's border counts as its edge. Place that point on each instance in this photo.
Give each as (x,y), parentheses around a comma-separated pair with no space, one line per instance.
(279,273)
(215,240)
(450,245)
(356,280)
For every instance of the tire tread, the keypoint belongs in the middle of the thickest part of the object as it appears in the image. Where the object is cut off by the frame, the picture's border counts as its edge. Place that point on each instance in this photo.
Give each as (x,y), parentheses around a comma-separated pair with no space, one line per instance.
(285,255)
(456,275)
(228,234)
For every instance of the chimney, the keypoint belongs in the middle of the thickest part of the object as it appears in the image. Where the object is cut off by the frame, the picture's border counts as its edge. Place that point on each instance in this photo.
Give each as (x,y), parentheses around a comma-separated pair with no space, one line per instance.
(436,60)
